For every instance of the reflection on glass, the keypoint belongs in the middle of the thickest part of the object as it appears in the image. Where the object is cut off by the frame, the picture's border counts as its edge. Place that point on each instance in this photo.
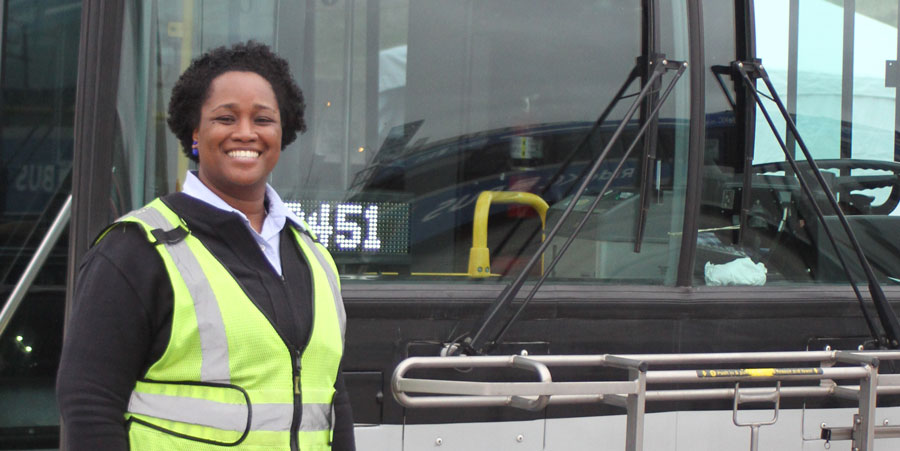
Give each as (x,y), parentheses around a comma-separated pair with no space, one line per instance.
(38,70)
(415,108)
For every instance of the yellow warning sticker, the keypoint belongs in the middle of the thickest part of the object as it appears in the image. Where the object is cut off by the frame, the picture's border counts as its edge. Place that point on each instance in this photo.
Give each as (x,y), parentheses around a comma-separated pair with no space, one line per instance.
(760,372)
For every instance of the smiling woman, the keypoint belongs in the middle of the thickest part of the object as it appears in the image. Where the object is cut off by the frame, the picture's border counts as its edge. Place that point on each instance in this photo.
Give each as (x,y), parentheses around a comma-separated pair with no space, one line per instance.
(238,141)
(417,110)
(215,302)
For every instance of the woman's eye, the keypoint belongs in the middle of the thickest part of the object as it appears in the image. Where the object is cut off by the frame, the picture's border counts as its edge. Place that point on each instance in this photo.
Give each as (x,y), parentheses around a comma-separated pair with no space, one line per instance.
(225,119)
(265,120)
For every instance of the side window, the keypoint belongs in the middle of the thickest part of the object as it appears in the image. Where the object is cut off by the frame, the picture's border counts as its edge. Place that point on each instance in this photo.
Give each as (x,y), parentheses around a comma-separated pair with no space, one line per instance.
(417,108)
(38,71)
(840,88)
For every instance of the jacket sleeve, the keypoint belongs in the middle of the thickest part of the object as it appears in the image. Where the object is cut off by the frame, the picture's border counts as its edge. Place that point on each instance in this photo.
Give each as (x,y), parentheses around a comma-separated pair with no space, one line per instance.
(344,439)
(109,338)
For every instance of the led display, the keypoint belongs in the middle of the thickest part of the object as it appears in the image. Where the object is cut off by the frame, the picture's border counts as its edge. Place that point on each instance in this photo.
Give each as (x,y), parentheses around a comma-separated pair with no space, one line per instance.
(373,228)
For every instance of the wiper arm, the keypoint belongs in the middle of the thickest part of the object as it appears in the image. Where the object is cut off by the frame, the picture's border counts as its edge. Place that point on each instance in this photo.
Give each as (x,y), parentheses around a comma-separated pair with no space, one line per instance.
(499,316)
(564,164)
(649,156)
(891,327)
(718,71)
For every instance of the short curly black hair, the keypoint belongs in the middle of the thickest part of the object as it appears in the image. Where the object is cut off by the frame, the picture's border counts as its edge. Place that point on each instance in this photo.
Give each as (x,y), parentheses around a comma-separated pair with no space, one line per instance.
(192,89)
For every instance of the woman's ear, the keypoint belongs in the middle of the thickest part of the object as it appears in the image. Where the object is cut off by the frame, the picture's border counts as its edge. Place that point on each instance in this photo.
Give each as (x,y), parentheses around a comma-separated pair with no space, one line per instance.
(195,146)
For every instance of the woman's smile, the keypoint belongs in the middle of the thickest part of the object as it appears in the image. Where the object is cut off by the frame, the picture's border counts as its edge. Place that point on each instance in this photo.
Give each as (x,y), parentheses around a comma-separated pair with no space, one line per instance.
(250,155)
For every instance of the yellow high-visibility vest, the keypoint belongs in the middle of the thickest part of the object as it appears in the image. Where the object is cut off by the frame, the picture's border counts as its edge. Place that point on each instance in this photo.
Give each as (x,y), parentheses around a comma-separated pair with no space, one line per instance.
(227,378)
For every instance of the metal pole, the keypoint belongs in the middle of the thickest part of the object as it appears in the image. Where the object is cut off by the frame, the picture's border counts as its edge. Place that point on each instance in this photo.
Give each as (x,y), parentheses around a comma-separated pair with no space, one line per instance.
(793,60)
(846,132)
(868,393)
(636,406)
(349,19)
(34,266)
(754,437)
(897,98)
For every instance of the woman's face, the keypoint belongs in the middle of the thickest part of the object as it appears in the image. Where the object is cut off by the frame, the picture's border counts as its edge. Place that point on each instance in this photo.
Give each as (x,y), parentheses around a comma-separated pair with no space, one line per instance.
(239,135)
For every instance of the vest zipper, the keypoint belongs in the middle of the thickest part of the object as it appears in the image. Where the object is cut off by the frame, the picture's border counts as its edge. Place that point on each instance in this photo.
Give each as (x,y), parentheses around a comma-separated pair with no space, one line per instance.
(298,402)
(298,398)
(296,352)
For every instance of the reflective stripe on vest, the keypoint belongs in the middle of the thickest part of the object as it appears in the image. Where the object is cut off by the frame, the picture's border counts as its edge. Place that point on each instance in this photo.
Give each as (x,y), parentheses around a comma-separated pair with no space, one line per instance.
(231,417)
(203,403)
(332,281)
(213,342)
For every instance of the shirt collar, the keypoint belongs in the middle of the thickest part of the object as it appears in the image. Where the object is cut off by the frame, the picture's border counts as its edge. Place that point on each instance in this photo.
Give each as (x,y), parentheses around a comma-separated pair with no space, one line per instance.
(276,215)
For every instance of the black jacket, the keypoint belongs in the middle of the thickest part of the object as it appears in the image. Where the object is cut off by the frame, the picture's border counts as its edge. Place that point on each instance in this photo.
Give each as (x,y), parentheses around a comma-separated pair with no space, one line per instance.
(121,318)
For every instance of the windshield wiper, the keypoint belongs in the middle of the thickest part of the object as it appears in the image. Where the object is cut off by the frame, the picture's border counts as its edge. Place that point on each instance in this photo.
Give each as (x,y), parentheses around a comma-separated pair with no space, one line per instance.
(647,159)
(890,335)
(570,158)
(500,314)
(718,71)
(747,180)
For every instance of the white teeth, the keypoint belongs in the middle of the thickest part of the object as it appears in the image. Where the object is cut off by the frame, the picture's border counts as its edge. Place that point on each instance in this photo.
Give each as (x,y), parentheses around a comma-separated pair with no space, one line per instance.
(243,154)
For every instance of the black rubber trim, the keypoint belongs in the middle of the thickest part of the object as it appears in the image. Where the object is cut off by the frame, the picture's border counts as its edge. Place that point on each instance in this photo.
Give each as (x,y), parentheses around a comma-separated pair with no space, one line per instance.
(696,146)
(198,439)
(170,237)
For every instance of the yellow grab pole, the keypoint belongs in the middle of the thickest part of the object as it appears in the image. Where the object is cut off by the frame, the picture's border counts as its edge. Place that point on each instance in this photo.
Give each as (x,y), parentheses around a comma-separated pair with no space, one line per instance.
(479,254)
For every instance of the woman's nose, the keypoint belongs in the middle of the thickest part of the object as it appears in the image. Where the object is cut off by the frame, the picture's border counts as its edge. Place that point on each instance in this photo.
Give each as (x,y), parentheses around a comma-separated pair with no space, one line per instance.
(244,130)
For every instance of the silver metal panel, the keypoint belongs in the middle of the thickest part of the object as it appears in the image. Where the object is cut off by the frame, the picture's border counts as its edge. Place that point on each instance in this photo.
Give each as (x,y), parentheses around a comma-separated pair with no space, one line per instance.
(665,431)
(499,436)
(813,420)
(608,433)
(382,437)
(715,430)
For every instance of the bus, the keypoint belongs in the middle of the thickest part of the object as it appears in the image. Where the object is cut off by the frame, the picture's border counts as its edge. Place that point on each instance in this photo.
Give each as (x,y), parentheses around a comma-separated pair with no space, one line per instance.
(506,177)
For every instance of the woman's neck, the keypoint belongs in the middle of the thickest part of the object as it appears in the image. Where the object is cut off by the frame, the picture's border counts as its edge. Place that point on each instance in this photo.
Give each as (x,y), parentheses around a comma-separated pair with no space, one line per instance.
(254,211)
(250,202)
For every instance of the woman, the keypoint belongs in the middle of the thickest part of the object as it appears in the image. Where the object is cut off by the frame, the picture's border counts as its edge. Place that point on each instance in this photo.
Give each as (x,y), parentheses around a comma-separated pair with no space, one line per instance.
(211,318)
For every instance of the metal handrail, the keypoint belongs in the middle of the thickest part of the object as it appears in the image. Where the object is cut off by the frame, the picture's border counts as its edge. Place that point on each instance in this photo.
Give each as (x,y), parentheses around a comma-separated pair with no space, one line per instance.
(34,265)
(632,392)
(594,391)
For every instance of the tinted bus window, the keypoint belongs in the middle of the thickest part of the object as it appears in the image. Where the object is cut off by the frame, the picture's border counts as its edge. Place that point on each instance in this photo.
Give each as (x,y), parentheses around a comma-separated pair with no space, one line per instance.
(416,108)
(38,72)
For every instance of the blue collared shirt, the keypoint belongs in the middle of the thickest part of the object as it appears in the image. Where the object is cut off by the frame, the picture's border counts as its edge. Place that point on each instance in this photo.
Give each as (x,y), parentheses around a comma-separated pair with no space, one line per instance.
(269,238)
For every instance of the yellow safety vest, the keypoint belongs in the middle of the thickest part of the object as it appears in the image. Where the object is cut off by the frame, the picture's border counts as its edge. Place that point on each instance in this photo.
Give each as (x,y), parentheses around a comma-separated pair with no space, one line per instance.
(227,378)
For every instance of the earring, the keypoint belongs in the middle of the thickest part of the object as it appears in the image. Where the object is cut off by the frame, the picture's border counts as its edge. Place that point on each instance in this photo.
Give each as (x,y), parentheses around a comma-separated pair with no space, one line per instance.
(194,151)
